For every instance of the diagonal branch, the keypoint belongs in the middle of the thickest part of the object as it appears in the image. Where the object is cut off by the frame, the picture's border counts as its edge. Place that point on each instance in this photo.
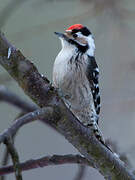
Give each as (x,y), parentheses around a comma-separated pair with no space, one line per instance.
(47,161)
(42,93)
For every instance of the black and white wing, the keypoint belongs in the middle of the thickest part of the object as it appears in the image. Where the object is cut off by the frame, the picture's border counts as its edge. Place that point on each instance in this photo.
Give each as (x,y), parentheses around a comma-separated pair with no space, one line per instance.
(93,75)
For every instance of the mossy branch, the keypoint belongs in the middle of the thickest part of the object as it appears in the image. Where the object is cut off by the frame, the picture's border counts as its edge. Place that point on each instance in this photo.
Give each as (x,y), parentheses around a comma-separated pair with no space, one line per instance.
(43,94)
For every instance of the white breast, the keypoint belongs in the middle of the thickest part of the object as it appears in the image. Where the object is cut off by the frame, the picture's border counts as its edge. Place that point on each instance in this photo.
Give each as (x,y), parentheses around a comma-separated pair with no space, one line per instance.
(61,68)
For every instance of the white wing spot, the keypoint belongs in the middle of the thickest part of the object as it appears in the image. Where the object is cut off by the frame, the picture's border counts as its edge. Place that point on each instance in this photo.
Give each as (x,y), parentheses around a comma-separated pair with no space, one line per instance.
(98,106)
(94,74)
(96,85)
(96,69)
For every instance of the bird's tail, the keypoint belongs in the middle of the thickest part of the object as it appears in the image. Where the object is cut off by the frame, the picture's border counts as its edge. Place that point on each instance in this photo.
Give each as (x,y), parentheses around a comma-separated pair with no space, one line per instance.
(98,134)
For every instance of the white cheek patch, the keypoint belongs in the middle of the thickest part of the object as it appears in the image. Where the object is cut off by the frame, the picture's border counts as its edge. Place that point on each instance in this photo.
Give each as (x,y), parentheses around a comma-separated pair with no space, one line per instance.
(80,35)
(90,41)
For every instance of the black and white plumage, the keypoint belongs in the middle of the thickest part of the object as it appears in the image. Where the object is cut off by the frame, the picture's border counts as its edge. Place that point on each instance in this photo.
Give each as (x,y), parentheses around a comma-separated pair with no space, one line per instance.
(76,73)
(93,75)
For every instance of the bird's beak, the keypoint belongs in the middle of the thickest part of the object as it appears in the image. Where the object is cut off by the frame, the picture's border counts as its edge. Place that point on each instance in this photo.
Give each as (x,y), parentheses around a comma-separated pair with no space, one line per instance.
(60,35)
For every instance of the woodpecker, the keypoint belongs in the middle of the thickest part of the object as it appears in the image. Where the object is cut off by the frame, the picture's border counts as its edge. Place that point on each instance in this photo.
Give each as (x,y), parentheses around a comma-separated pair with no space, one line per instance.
(76,74)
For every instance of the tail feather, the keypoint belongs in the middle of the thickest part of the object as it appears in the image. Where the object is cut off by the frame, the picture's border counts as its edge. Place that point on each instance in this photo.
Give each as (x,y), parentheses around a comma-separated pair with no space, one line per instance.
(98,134)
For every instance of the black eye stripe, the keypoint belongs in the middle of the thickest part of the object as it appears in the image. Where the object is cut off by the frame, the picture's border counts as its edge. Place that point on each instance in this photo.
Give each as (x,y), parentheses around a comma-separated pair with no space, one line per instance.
(81,48)
(75,35)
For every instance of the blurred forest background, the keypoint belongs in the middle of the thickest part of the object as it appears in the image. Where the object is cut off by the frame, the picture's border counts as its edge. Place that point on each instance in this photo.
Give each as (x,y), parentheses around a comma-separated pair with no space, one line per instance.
(30,26)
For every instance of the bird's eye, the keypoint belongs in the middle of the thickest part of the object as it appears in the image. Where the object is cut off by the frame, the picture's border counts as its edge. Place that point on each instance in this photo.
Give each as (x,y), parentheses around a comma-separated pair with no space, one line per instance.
(75,35)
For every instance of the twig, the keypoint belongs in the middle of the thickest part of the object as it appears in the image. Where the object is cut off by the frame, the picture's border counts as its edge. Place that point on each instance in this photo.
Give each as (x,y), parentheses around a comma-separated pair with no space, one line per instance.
(15,158)
(5,158)
(81,172)
(47,161)
(12,98)
(5,162)
(39,113)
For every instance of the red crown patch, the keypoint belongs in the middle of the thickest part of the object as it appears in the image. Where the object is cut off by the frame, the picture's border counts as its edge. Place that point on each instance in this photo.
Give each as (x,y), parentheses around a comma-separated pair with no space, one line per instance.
(75,26)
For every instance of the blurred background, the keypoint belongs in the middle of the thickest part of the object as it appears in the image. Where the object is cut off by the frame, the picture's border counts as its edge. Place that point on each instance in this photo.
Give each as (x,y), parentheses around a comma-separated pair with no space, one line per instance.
(30,26)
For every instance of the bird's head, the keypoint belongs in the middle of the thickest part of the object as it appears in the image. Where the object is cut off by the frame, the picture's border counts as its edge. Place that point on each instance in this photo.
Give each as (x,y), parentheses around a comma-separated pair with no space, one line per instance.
(79,36)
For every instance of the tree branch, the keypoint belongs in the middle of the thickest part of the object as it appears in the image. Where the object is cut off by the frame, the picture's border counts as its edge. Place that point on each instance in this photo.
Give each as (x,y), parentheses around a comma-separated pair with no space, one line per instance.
(40,90)
(15,158)
(81,172)
(6,154)
(47,161)
(12,98)
(5,160)
(27,118)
